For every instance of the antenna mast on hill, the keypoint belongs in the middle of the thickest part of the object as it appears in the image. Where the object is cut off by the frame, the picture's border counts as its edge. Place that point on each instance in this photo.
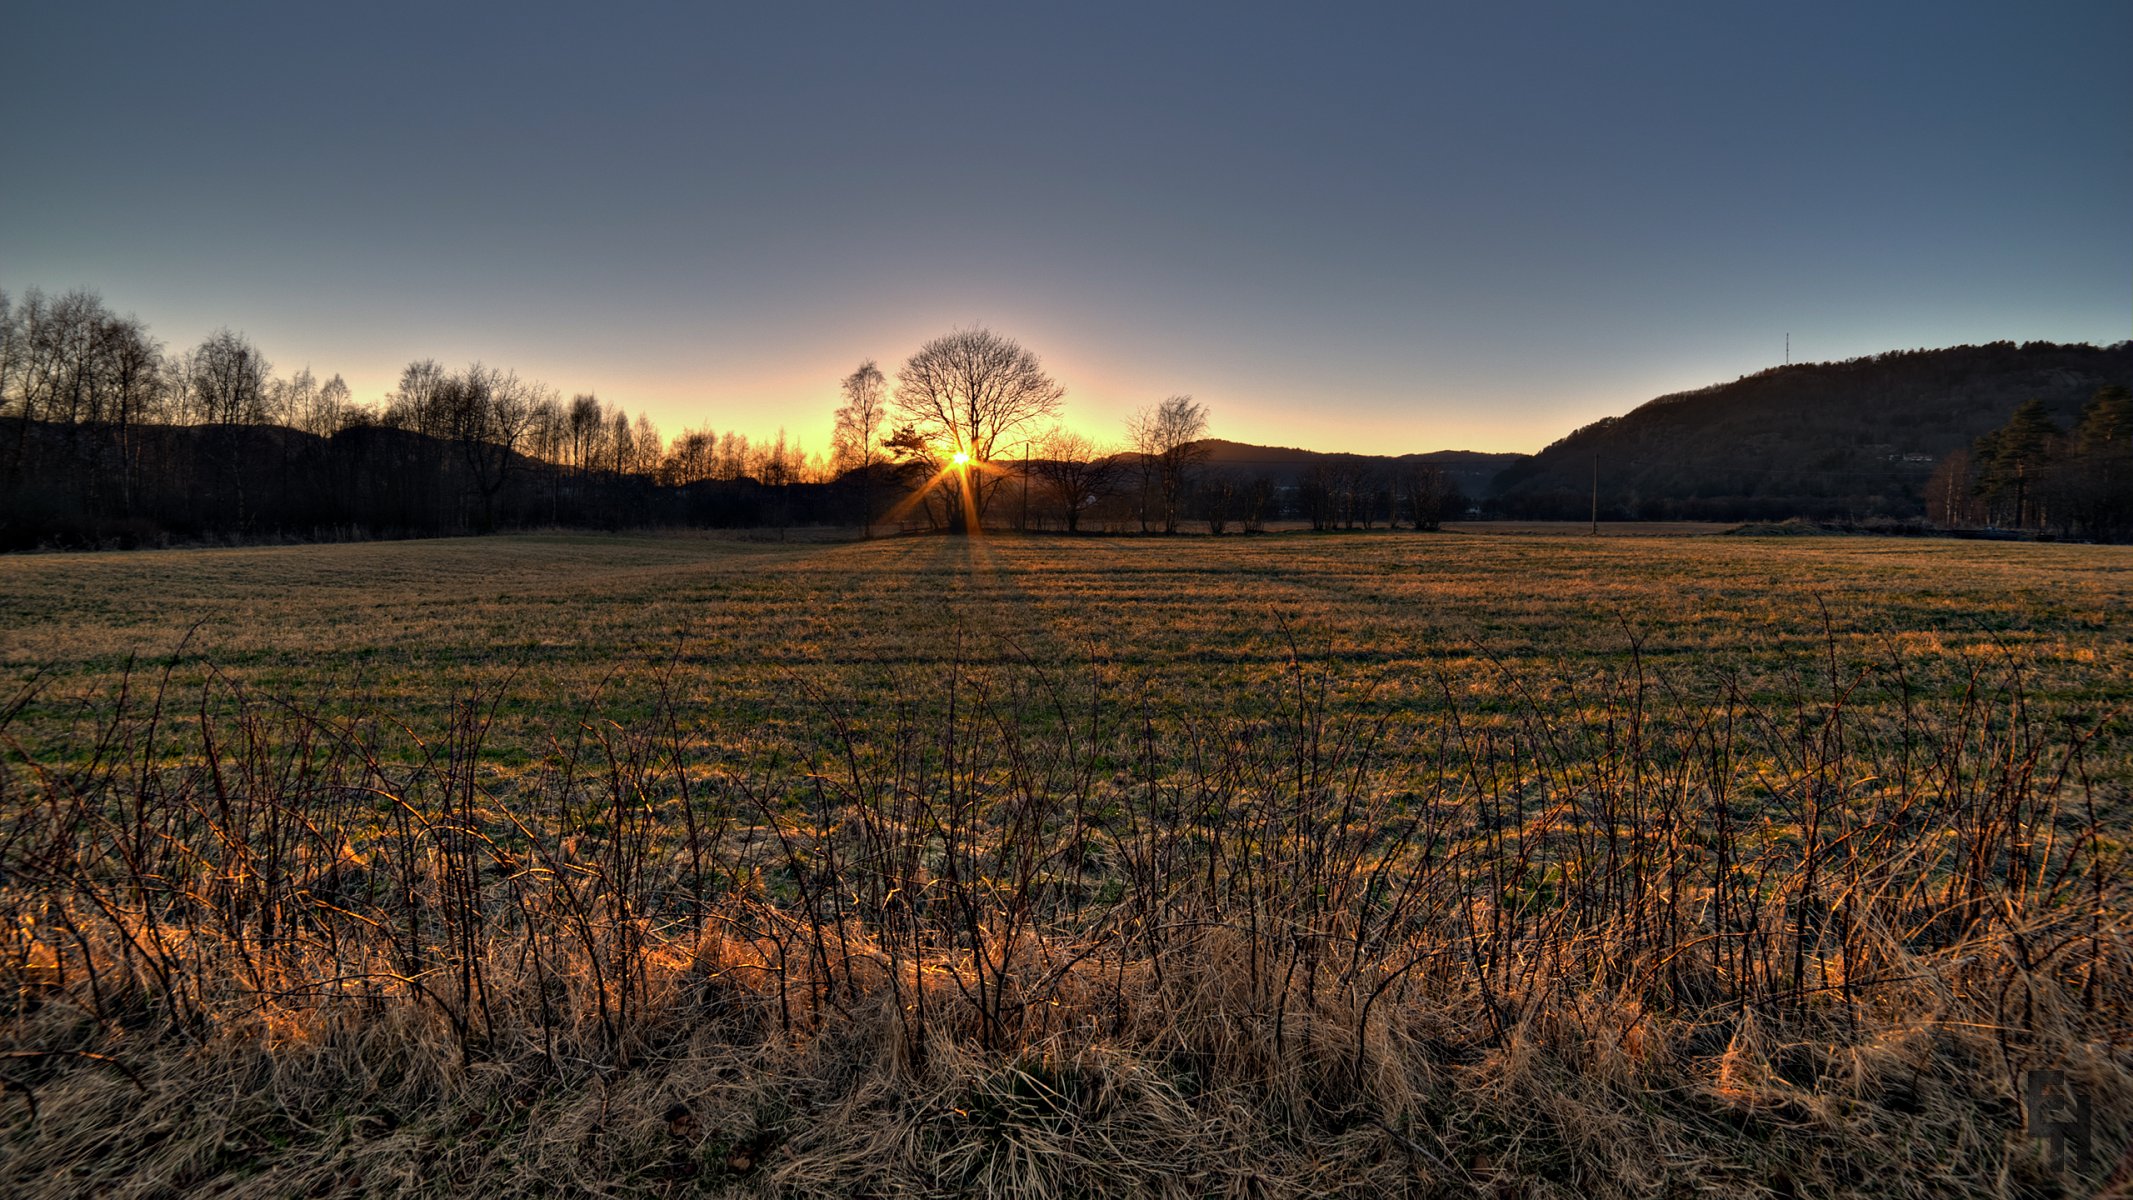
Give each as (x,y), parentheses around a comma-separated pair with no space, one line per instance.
(1788,347)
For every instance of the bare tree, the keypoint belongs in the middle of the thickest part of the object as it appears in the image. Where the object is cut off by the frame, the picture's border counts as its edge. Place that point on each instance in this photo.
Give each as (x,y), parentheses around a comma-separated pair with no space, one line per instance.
(229,379)
(57,365)
(621,453)
(778,466)
(490,411)
(646,446)
(964,393)
(1355,487)
(1074,472)
(290,401)
(1219,497)
(1168,436)
(548,442)
(1258,501)
(416,405)
(587,422)
(330,408)
(1316,493)
(1424,488)
(733,455)
(852,444)
(692,457)
(132,367)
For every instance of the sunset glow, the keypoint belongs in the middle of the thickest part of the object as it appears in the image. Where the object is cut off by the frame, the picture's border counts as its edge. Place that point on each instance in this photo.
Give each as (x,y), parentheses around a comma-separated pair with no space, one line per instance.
(1002,600)
(1398,287)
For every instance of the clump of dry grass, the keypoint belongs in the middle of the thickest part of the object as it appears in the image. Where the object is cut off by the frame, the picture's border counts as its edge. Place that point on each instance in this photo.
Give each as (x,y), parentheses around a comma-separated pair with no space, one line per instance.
(1017,934)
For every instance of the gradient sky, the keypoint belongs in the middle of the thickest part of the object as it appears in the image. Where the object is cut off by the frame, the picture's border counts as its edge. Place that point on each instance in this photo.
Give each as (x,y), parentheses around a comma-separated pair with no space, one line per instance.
(1346,227)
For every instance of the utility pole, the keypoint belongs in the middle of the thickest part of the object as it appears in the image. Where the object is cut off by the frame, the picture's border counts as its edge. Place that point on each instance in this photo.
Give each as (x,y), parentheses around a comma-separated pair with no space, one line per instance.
(1595,495)
(1025,486)
(1788,347)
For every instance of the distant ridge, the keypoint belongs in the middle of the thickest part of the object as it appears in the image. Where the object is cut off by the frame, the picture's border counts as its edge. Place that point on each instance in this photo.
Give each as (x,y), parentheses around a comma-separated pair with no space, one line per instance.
(1470,471)
(1853,439)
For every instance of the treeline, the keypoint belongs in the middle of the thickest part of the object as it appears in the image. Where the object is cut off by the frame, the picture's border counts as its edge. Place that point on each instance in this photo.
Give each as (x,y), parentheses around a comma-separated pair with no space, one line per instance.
(2032,475)
(106,438)
(1859,440)
(1125,493)
(111,440)
(1168,479)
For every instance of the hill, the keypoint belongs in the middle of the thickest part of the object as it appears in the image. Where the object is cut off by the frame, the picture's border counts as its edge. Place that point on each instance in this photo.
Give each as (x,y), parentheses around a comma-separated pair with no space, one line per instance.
(1825,440)
(1469,471)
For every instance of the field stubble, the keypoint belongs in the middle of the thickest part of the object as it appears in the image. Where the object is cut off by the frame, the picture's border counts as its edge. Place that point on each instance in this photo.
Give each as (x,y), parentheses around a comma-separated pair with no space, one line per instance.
(1281,865)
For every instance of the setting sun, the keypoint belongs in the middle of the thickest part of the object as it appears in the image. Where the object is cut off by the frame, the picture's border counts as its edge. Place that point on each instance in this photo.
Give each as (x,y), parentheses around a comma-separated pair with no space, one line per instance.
(962,459)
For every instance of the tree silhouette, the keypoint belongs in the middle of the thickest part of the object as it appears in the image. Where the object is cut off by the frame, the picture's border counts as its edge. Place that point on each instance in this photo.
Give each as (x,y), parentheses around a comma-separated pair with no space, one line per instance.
(489,412)
(2100,478)
(1074,472)
(1424,491)
(1168,437)
(852,443)
(964,393)
(2010,462)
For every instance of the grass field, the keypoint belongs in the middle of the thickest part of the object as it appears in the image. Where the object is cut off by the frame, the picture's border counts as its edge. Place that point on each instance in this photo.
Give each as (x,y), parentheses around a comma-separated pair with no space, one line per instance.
(400,625)
(1514,862)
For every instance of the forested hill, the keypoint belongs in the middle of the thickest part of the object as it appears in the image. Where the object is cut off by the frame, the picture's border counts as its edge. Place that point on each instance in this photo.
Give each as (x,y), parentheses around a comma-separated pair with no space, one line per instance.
(1470,472)
(1851,439)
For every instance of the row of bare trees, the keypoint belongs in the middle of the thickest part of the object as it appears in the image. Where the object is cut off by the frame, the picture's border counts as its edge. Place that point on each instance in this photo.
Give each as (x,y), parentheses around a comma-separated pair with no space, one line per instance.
(938,444)
(109,439)
(973,417)
(964,399)
(1350,492)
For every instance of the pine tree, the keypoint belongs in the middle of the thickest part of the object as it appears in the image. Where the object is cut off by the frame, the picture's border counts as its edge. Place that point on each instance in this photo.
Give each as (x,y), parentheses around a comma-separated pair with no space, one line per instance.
(2012,460)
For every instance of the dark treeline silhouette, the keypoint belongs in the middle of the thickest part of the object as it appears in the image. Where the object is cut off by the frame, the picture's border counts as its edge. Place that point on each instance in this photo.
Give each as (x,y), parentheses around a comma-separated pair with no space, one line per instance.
(106,439)
(1126,492)
(1349,491)
(1854,440)
(92,486)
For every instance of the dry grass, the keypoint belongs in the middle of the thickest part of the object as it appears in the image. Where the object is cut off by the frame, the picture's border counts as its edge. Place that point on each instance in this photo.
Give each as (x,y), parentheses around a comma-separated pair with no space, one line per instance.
(1528,867)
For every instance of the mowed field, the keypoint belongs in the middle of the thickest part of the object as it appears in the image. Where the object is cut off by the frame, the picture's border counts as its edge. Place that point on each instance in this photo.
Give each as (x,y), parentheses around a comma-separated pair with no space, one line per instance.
(565,624)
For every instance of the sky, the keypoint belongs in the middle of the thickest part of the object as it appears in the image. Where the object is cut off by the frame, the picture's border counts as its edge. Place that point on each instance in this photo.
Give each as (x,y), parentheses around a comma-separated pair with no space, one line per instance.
(1341,226)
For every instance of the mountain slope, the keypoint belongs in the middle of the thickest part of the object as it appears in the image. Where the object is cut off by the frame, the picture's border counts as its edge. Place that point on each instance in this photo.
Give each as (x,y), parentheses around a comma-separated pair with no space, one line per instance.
(1847,439)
